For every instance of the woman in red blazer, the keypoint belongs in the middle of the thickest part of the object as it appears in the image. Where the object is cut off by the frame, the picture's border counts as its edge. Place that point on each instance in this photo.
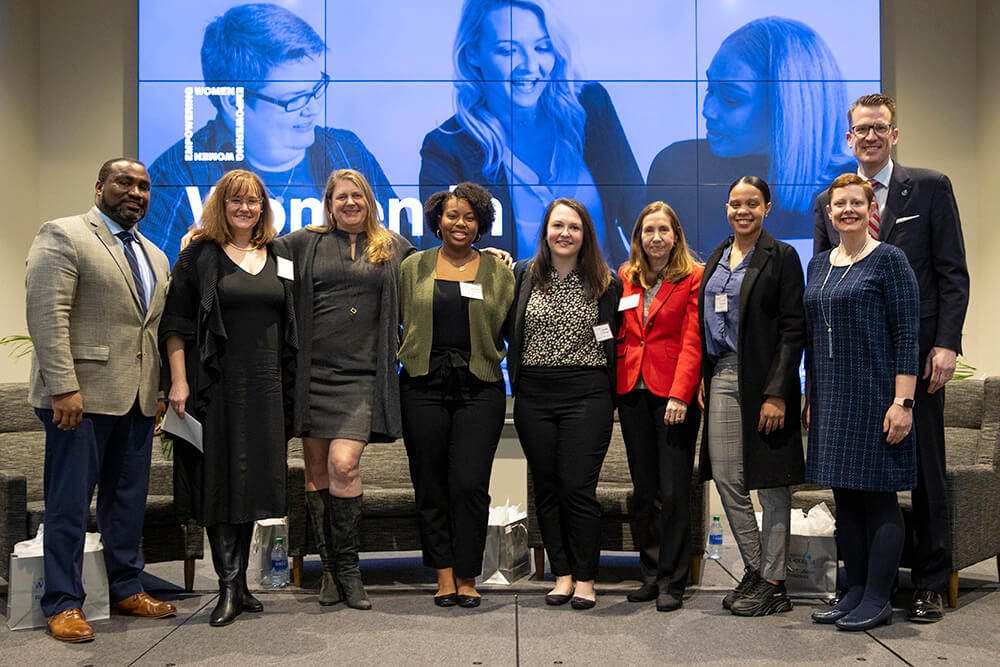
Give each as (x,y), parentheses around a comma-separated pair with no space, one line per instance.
(659,366)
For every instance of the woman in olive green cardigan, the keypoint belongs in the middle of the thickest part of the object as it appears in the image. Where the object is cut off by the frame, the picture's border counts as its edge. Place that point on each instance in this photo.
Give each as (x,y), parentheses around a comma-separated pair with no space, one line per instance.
(453,304)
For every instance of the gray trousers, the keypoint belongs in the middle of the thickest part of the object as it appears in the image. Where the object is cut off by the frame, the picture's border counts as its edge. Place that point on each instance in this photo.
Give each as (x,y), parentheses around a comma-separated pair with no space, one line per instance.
(725,448)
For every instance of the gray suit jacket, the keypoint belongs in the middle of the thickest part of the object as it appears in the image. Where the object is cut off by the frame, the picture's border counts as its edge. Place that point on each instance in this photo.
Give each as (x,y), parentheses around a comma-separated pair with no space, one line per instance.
(85,320)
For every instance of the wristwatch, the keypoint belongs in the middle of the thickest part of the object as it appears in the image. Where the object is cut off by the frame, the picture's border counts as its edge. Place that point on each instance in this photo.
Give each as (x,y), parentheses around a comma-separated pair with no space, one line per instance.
(905,402)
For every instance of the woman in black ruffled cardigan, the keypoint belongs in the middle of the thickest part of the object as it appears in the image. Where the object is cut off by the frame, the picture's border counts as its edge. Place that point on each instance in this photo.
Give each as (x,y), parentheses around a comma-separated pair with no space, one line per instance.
(228,329)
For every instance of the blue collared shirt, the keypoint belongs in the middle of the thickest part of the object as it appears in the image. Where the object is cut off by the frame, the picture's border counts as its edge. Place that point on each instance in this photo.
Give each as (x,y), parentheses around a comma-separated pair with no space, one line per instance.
(721,329)
(145,270)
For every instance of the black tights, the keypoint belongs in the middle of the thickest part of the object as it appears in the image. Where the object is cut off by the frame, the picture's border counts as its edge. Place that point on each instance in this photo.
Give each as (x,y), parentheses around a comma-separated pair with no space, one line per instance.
(870,536)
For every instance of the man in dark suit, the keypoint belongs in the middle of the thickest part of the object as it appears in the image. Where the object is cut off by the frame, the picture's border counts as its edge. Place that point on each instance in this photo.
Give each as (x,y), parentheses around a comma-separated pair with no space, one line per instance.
(918,214)
(95,293)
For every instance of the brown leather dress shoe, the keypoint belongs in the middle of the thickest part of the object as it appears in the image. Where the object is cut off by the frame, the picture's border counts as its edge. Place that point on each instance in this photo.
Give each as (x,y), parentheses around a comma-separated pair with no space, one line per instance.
(70,626)
(142,605)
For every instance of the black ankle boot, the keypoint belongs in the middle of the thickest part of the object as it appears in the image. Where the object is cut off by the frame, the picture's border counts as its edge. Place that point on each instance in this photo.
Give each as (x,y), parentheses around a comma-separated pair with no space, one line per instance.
(344,516)
(224,541)
(249,602)
(329,594)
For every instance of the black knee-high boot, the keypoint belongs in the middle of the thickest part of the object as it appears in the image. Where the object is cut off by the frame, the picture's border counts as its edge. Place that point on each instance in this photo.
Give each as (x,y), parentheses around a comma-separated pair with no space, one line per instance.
(224,541)
(344,516)
(250,603)
(315,501)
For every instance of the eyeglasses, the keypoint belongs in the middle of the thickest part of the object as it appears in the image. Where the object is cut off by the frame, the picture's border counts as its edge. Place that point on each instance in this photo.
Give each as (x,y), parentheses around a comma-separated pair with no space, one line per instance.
(881,130)
(299,101)
(251,202)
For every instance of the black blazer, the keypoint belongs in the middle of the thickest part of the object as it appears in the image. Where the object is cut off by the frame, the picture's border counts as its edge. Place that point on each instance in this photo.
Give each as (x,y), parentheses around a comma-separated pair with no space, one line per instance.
(607,311)
(771,337)
(450,155)
(920,218)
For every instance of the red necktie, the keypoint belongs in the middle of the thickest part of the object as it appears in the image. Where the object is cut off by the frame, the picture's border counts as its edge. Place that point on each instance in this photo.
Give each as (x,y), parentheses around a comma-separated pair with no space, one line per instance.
(874,224)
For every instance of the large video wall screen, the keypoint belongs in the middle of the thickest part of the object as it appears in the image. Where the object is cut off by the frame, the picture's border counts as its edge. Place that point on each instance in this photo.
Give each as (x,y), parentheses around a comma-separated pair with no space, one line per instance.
(614,105)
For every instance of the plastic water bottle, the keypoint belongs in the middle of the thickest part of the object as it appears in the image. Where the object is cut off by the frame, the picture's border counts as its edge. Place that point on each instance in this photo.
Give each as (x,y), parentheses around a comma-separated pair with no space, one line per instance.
(279,563)
(714,548)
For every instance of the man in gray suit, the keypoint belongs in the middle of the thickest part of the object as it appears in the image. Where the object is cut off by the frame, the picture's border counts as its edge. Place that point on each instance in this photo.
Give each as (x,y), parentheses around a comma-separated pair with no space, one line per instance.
(95,293)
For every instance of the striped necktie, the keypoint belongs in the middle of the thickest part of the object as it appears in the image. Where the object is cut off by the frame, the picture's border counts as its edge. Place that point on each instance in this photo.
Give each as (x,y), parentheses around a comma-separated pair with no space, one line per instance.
(133,263)
(874,223)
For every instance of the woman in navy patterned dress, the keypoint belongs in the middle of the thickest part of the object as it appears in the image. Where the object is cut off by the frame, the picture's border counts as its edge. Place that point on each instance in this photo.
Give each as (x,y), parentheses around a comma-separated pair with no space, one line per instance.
(862,308)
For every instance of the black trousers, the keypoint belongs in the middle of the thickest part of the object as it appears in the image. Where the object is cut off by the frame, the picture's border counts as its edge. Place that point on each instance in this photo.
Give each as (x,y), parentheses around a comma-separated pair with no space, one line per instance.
(451,440)
(563,419)
(661,461)
(930,530)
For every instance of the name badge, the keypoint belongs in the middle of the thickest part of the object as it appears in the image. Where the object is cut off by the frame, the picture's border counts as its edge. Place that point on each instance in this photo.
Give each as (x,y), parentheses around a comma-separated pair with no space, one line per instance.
(285,268)
(471,290)
(721,303)
(629,302)
(602,332)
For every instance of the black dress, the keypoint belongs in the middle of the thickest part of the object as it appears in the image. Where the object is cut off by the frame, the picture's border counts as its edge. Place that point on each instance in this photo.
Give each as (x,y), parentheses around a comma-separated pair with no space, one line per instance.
(241,475)
(346,306)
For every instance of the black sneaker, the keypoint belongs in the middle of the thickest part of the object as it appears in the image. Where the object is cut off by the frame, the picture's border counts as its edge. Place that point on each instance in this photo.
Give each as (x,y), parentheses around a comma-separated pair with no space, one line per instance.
(762,600)
(750,579)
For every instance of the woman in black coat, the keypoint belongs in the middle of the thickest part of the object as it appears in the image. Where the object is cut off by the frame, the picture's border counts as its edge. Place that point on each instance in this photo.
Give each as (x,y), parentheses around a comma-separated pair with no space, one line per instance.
(228,329)
(753,333)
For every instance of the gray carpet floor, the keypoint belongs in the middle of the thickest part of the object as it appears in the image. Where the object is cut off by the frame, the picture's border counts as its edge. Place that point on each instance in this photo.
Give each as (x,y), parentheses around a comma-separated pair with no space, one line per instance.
(513,626)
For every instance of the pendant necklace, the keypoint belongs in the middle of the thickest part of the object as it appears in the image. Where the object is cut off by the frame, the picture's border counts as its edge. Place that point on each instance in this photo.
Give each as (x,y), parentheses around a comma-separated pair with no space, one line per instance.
(353,310)
(822,309)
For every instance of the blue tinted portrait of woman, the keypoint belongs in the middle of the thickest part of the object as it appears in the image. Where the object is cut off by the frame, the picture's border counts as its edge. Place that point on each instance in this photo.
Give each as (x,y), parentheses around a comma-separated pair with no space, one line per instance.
(529,130)
(774,107)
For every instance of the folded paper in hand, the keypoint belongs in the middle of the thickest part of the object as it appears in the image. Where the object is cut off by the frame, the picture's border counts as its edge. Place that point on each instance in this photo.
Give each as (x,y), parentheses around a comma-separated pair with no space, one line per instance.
(188,429)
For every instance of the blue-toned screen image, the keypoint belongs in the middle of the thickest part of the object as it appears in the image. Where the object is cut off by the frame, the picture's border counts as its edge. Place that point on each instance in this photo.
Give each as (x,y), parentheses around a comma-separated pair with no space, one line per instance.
(535,100)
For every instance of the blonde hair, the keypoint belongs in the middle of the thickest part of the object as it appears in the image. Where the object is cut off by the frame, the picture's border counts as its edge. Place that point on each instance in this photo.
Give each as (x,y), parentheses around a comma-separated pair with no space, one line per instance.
(380,242)
(680,264)
(236,183)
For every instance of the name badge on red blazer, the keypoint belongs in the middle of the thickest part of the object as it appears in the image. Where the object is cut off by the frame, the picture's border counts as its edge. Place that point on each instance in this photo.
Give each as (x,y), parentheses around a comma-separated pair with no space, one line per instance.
(629,302)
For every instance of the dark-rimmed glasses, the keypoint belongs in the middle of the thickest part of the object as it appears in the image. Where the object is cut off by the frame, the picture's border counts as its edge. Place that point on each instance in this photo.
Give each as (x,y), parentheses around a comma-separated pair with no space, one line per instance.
(299,101)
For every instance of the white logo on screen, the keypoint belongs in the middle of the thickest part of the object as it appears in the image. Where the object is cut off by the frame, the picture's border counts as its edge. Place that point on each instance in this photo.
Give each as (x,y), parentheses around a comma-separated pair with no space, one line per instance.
(298,208)
(190,155)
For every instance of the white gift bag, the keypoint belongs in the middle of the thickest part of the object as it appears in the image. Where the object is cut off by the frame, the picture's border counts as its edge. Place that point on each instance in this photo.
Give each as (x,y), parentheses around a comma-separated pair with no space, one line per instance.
(27,583)
(507,556)
(812,553)
(259,568)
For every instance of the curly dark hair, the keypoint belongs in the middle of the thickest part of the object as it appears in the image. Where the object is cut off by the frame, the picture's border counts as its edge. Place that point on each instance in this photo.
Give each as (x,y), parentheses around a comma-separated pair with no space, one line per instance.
(477,197)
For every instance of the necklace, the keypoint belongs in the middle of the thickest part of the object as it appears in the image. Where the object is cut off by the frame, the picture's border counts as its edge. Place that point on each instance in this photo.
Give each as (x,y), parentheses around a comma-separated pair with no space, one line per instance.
(822,308)
(248,246)
(464,265)
(340,249)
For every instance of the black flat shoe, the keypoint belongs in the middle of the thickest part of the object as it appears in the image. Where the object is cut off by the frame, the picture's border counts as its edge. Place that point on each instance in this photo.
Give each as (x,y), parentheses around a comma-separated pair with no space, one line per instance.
(667,601)
(828,616)
(468,601)
(927,607)
(555,599)
(446,600)
(853,623)
(646,593)
(582,603)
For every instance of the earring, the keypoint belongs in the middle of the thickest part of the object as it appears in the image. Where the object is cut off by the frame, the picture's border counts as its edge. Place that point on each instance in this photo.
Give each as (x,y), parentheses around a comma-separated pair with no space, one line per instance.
(437,232)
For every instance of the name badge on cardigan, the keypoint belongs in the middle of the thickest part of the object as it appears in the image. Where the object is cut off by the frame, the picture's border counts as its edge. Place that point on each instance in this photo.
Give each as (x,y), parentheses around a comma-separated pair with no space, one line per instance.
(471,290)
(602,332)
(629,302)
(721,303)
(286,269)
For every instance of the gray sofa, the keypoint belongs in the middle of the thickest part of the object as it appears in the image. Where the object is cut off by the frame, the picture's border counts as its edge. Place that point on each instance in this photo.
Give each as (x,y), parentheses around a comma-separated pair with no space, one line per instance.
(22,504)
(972,453)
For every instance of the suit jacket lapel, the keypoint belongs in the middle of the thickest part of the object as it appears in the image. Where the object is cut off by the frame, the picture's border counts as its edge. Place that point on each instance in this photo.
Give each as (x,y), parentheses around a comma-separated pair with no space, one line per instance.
(111,243)
(761,255)
(159,275)
(666,289)
(900,187)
